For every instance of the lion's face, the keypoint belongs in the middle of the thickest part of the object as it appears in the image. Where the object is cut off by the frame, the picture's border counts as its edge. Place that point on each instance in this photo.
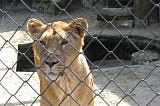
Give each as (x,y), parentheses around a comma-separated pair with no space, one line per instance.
(56,45)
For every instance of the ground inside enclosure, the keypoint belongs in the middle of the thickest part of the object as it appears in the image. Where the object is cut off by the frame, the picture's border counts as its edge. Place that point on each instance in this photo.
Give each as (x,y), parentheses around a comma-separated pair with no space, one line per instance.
(140,91)
(125,81)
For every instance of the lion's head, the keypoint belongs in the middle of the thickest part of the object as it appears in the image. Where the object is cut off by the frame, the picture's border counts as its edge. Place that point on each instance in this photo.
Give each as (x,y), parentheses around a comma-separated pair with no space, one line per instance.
(56,44)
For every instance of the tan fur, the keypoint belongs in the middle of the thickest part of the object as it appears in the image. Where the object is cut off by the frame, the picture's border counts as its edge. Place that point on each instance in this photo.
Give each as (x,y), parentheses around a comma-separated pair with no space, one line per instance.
(69,82)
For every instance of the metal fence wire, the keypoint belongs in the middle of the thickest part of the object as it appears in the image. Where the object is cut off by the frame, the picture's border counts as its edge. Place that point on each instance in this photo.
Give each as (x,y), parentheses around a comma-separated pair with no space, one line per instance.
(122,48)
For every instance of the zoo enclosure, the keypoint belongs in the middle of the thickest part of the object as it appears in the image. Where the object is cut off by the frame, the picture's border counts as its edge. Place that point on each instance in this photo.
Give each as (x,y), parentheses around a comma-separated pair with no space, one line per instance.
(101,36)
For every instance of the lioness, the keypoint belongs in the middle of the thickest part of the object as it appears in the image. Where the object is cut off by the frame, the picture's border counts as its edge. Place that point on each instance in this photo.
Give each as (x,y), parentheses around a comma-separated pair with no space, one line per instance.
(65,78)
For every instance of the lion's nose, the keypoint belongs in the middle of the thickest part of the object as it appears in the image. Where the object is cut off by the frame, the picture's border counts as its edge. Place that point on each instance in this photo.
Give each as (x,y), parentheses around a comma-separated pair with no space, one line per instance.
(50,64)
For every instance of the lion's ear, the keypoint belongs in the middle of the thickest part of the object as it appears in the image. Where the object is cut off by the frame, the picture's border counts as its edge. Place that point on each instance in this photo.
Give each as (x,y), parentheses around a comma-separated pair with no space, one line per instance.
(35,27)
(80,25)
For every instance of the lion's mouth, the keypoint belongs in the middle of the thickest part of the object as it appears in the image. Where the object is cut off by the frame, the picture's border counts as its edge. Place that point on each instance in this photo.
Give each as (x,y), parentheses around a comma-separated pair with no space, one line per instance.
(52,73)
(56,74)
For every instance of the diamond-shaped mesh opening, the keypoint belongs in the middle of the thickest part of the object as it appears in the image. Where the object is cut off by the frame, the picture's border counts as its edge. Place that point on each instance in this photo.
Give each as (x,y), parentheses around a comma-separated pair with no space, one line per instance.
(122,78)
(106,92)
(121,47)
(137,93)
(8,82)
(152,80)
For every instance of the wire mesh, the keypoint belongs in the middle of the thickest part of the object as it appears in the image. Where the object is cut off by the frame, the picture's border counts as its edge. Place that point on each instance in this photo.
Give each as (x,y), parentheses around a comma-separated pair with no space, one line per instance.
(117,80)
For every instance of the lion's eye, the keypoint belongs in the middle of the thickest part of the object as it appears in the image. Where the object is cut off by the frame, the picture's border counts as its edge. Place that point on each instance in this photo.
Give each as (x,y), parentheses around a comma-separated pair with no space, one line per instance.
(43,42)
(77,30)
(64,42)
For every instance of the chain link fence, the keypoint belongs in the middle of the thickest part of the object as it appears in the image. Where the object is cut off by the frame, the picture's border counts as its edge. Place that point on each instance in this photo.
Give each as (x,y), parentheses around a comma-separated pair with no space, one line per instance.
(122,47)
